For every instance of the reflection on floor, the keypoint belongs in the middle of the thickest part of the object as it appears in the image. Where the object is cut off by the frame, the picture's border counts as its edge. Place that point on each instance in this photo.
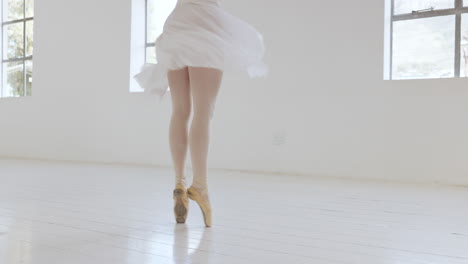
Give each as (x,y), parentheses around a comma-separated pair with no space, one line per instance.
(94,214)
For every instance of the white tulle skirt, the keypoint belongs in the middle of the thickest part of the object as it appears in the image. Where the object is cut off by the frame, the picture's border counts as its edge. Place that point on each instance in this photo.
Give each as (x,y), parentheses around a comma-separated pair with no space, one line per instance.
(201,33)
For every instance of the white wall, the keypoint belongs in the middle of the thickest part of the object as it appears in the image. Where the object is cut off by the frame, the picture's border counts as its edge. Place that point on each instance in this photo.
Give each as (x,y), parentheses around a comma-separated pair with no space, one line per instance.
(325,95)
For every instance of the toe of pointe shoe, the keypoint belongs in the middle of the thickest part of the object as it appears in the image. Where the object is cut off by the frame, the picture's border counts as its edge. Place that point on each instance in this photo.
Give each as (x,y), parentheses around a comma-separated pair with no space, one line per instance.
(180,204)
(203,203)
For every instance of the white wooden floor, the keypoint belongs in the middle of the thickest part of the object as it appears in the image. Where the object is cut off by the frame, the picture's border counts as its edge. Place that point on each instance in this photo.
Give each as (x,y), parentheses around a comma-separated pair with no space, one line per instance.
(95,214)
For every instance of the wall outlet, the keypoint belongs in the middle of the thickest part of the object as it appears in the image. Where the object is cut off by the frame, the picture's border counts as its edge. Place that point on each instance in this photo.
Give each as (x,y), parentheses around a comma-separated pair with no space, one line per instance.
(279,138)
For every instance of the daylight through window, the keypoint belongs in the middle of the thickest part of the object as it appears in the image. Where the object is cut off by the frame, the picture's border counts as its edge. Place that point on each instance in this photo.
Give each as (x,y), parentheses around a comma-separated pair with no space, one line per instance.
(17,47)
(429,39)
(157,12)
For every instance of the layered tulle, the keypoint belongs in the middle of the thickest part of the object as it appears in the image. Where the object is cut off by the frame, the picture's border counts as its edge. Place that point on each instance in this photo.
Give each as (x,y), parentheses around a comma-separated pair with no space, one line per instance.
(200,33)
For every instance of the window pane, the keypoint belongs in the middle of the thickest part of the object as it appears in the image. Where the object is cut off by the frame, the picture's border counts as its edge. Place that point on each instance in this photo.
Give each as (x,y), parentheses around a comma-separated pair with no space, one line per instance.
(424,48)
(158,11)
(13,41)
(407,6)
(13,79)
(151,55)
(13,9)
(29,37)
(29,74)
(464,47)
(29,8)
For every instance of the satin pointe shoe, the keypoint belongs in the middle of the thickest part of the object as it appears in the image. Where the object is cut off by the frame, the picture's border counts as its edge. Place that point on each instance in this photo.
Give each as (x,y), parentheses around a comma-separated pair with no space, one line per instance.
(181,203)
(203,202)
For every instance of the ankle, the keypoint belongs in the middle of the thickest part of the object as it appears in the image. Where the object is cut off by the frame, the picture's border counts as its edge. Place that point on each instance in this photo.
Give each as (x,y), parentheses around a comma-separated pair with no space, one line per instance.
(181,183)
(199,187)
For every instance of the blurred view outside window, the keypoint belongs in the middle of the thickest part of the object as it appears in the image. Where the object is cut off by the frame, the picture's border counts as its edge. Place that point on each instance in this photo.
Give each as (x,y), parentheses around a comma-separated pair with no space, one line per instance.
(429,39)
(157,12)
(17,47)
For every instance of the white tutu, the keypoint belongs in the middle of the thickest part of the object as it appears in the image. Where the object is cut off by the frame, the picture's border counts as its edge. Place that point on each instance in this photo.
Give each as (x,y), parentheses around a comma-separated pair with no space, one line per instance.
(201,33)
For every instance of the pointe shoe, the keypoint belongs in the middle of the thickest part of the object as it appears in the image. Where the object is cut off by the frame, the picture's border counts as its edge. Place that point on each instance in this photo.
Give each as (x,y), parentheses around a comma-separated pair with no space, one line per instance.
(204,204)
(181,203)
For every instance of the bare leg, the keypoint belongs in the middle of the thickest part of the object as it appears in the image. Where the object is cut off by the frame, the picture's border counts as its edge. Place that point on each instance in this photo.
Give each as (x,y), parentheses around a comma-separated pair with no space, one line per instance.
(204,84)
(179,84)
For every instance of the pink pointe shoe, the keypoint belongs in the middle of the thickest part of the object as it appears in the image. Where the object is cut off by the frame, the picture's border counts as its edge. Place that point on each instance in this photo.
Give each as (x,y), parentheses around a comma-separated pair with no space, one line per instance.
(203,202)
(181,203)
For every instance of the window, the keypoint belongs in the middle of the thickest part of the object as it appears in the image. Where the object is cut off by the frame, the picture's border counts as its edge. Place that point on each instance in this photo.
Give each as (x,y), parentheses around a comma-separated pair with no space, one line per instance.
(427,39)
(148,17)
(17,47)
(464,45)
(157,12)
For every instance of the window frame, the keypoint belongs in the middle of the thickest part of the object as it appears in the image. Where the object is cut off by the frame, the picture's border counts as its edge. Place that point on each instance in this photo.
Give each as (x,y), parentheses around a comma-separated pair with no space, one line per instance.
(22,59)
(147,43)
(458,10)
